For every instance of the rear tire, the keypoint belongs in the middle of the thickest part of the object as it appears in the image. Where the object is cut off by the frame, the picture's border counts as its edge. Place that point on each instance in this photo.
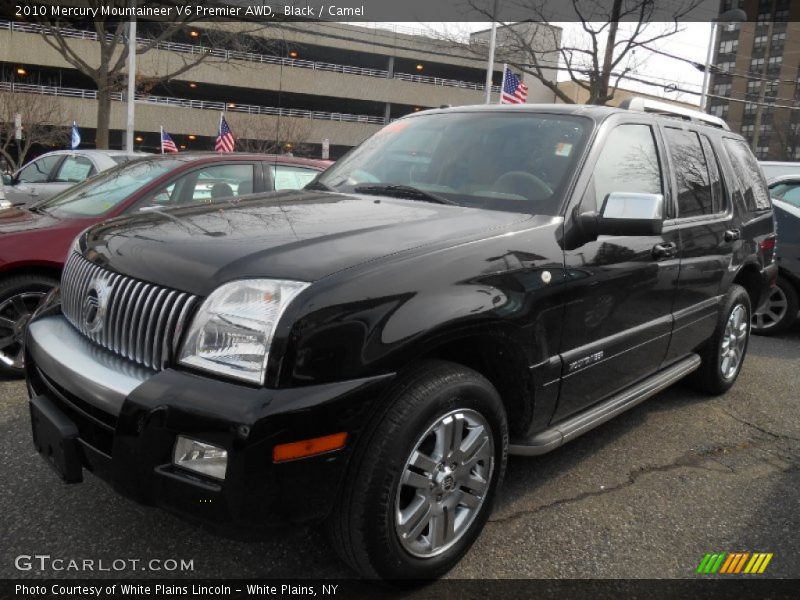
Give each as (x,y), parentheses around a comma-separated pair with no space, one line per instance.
(779,311)
(724,354)
(19,297)
(406,479)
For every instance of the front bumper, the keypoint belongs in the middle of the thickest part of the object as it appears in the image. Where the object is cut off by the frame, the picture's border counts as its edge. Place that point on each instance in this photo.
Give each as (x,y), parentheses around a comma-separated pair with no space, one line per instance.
(128,418)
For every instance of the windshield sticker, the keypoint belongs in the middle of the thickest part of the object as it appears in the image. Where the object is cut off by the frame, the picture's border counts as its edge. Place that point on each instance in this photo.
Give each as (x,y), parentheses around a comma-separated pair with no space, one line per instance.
(563,149)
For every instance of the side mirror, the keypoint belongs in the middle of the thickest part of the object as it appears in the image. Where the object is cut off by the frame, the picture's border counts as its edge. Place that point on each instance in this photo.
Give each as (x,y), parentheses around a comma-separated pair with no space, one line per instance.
(625,213)
(7,179)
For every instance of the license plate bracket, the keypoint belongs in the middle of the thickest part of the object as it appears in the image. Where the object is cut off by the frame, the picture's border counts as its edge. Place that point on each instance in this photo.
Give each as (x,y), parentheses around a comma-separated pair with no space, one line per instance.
(55,437)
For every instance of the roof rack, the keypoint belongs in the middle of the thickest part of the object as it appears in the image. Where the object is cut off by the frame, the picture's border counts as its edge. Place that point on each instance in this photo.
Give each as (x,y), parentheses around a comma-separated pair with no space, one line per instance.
(670,110)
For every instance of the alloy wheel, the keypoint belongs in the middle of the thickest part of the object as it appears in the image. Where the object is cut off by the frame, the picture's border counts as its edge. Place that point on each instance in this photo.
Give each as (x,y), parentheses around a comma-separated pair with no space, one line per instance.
(773,311)
(15,312)
(444,483)
(734,341)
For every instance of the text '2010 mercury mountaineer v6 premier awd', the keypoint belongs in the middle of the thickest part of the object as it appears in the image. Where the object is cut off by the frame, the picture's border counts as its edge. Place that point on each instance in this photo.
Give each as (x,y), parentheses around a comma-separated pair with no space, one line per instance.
(466,283)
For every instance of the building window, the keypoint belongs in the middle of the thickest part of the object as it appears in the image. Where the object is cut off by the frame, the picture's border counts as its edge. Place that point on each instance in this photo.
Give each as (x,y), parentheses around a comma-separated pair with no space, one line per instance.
(747,130)
(722,89)
(757,65)
(727,66)
(762,151)
(753,86)
(728,46)
(750,109)
(775,63)
(781,15)
(719,110)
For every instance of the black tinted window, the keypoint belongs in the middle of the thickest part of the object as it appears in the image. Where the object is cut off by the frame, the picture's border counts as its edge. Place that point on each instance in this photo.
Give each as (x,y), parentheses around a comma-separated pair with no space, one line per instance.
(748,173)
(691,173)
(629,163)
(717,190)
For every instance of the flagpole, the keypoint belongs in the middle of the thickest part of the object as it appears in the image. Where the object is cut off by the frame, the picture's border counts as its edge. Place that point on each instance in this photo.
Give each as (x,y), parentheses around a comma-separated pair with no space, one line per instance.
(219,129)
(161,137)
(503,83)
(490,63)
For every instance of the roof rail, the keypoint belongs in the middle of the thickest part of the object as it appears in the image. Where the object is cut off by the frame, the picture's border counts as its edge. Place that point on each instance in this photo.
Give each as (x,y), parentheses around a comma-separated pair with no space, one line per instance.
(670,110)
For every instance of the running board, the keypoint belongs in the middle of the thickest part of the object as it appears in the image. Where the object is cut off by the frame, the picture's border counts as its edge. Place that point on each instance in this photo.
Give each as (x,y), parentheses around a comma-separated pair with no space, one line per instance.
(557,435)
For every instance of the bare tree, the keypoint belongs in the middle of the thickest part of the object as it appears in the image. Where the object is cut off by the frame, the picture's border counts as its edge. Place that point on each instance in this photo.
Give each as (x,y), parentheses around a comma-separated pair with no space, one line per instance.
(272,135)
(41,118)
(597,59)
(108,68)
(787,132)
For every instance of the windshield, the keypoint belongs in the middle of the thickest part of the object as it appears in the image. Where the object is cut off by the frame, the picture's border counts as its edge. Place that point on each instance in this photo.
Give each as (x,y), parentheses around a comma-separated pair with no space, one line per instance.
(506,161)
(100,194)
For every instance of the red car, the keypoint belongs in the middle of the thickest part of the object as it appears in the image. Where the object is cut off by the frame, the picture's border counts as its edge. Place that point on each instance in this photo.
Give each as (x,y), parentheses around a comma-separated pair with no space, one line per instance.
(34,242)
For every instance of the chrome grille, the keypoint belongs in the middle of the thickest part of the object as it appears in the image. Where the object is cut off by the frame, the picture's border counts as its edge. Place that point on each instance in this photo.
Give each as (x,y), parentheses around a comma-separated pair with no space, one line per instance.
(141,322)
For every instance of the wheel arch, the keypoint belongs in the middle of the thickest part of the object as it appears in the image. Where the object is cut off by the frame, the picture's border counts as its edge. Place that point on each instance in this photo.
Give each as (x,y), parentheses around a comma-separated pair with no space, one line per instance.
(40,269)
(749,277)
(500,359)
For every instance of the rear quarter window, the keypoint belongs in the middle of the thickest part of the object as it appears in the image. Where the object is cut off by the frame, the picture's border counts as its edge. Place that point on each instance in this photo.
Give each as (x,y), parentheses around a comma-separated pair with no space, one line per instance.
(748,174)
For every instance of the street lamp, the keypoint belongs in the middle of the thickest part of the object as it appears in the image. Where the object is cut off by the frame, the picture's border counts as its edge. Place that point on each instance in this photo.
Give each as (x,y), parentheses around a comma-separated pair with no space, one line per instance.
(735,15)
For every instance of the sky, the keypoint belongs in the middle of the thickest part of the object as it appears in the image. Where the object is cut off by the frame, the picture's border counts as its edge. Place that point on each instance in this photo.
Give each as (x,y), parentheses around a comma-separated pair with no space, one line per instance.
(691,42)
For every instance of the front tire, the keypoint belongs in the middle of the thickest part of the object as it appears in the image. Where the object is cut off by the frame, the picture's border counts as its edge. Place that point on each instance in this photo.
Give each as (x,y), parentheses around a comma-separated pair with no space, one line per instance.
(723,355)
(19,297)
(421,485)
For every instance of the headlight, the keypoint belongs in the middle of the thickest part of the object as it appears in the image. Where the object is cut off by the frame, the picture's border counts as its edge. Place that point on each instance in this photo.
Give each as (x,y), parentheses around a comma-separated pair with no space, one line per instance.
(232,332)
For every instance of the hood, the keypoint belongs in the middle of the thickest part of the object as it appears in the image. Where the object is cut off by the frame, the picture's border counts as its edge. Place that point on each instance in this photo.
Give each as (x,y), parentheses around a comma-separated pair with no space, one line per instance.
(301,235)
(13,220)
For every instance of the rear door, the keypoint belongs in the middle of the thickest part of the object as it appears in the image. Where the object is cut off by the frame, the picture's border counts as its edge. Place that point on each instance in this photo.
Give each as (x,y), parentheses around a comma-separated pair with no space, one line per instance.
(290,177)
(708,233)
(618,314)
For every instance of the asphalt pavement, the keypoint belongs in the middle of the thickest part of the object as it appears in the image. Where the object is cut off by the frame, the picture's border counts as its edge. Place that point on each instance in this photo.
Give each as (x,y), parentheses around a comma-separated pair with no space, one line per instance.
(644,496)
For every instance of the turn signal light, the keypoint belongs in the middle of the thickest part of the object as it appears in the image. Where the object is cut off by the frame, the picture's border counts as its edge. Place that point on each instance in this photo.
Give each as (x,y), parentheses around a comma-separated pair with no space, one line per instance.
(312,447)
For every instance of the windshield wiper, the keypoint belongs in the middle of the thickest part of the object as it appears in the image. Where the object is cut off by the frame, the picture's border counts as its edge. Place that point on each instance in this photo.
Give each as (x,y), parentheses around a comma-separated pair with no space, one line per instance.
(318,185)
(35,208)
(402,191)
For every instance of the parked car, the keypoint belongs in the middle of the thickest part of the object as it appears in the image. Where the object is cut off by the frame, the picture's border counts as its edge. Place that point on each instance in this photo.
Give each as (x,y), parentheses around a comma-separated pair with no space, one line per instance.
(467,283)
(54,172)
(779,312)
(777,168)
(34,241)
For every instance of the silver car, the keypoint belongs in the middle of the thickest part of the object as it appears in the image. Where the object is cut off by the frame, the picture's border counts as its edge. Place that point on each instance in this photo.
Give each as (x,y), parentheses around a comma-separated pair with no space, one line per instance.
(56,171)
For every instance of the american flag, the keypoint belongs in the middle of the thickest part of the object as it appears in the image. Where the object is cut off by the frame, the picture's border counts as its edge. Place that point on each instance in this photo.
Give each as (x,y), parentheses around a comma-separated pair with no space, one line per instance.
(167,145)
(225,140)
(514,91)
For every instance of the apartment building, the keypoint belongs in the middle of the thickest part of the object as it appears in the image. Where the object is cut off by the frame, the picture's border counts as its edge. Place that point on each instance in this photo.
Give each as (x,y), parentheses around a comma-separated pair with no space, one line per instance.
(325,81)
(754,77)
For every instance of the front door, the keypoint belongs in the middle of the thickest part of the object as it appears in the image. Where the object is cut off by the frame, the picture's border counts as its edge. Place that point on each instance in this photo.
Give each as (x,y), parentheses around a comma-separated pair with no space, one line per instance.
(617,319)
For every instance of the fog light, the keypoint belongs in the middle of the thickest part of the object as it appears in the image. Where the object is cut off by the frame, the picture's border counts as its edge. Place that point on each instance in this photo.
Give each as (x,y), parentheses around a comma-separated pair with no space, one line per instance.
(200,457)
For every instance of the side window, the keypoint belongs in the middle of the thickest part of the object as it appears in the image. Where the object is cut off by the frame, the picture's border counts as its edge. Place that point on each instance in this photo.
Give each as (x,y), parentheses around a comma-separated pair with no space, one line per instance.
(206,184)
(39,170)
(717,190)
(629,163)
(691,173)
(748,174)
(222,181)
(75,169)
(291,178)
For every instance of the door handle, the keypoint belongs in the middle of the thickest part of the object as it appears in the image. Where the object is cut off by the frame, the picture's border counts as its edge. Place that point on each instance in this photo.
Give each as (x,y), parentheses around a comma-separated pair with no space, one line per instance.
(665,250)
(732,235)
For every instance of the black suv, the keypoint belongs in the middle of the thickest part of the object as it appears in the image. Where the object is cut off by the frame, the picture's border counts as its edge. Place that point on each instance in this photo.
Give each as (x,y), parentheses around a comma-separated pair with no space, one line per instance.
(467,283)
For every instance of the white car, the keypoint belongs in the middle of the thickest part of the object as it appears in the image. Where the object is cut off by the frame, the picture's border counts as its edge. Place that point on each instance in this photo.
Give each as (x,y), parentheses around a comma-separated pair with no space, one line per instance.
(56,171)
